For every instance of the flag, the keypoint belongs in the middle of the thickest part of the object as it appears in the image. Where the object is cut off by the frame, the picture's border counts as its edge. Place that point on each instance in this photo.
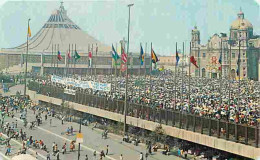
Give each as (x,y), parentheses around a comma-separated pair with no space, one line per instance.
(90,58)
(177,58)
(29,31)
(76,55)
(68,55)
(114,54)
(142,55)
(123,67)
(154,57)
(59,56)
(193,61)
(124,56)
(220,59)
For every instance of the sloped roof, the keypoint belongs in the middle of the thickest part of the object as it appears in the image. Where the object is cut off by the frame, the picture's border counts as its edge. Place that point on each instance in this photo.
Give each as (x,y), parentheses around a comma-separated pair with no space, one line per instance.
(60,30)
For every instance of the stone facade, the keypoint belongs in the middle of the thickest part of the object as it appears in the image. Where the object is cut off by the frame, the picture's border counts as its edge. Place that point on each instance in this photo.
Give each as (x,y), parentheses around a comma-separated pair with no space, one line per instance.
(240,41)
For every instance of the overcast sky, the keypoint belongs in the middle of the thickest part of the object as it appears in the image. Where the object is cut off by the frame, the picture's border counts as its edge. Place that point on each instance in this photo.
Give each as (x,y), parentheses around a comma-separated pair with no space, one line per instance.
(162,22)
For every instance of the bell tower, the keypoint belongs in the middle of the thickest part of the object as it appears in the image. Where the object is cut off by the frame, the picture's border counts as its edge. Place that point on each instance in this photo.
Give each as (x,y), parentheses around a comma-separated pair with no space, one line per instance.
(195,37)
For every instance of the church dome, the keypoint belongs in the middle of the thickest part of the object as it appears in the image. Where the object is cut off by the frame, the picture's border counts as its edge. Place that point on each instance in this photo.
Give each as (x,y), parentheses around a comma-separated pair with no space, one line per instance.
(241,22)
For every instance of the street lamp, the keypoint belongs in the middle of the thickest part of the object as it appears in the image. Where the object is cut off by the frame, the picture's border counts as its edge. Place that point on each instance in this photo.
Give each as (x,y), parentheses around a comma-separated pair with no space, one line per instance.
(125,106)
(25,74)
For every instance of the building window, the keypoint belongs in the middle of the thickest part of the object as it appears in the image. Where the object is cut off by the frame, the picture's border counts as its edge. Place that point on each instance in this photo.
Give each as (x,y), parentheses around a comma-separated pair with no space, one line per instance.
(233,55)
(204,55)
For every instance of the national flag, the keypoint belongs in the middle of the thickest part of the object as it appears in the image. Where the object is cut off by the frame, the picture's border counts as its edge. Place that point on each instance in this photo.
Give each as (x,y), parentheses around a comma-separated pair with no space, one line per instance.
(142,55)
(114,54)
(124,56)
(59,56)
(68,55)
(29,31)
(154,57)
(123,67)
(220,59)
(177,58)
(90,58)
(76,55)
(193,61)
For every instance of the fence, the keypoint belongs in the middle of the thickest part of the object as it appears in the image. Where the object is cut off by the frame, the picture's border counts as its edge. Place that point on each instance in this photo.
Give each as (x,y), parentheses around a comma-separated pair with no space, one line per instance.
(240,133)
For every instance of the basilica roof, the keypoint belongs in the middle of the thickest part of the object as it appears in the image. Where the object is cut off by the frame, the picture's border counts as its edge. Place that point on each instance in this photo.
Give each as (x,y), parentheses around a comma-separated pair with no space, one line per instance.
(241,22)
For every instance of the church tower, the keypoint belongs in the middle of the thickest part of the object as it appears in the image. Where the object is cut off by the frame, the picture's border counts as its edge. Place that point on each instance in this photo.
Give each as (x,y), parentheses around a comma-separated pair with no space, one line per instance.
(195,37)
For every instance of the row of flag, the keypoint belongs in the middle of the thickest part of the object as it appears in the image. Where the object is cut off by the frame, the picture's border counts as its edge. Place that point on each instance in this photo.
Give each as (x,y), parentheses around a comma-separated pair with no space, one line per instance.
(115,56)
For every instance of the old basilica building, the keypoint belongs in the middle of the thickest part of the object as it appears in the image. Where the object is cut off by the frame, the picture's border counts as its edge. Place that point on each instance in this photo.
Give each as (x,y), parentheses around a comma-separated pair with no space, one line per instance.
(220,55)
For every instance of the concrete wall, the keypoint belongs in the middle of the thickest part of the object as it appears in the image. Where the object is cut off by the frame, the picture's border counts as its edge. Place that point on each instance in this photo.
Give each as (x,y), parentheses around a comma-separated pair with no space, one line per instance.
(232,147)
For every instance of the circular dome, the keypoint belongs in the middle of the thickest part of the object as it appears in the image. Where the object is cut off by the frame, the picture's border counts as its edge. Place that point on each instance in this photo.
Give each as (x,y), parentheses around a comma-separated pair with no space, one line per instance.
(241,22)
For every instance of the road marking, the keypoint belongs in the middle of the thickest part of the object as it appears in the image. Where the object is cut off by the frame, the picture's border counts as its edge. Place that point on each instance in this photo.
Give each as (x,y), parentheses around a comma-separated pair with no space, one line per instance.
(28,149)
(83,146)
(3,155)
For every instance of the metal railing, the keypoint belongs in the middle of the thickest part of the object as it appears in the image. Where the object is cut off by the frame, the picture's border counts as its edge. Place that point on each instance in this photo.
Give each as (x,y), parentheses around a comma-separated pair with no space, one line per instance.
(236,132)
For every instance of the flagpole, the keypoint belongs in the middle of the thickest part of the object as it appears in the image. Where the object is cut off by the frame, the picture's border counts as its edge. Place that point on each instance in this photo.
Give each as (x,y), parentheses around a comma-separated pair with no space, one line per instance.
(52,59)
(229,84)
(58,60)
(96,62)
(125,106)
(75,60)
(139,87)
(27,48)
(111,74)
(151,65)
(90,62)
(189,73)
(116,72)
(182,73)
(175,80)
(220,77)
(55,64)
(68,62)
(238,103)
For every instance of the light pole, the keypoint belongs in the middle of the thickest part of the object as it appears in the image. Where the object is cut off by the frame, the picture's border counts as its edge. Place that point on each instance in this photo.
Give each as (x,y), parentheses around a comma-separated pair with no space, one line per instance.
(25,74)
(125,106)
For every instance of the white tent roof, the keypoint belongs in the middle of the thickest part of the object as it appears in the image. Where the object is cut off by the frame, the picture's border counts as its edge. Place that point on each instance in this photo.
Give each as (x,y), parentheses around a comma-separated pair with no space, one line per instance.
(60,30)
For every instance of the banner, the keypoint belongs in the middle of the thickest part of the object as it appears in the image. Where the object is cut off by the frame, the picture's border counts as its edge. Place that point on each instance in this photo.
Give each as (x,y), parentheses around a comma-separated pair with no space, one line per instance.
(70,91)
(106,87)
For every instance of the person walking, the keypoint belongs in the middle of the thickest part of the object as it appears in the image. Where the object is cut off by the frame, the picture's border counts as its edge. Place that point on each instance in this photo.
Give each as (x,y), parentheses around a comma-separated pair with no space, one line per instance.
(62,120)
(46,117)
(50,121)
(58,155)
(48,156)
(141,156)
(86,158)
(107,150)
(121,157)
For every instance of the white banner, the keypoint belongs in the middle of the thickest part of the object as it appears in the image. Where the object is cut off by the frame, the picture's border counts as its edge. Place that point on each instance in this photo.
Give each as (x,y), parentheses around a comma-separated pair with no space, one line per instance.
(106,87)
(70,91)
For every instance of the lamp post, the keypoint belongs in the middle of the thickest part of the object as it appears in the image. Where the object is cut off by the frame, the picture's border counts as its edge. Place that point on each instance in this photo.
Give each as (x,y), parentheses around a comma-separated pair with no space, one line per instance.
(125,106)
(25,74)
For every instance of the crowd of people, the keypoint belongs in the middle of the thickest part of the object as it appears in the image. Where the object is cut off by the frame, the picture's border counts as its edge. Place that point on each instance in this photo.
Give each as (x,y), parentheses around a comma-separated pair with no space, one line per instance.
(206,97)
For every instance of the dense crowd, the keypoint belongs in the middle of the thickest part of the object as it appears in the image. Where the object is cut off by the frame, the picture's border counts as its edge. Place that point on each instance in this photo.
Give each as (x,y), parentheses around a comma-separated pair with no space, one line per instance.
(215,98)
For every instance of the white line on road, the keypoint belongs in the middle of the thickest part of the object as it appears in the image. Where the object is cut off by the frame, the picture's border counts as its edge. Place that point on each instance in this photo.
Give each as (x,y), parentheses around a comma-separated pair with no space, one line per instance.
(2,154)
(29,148)
(83,146)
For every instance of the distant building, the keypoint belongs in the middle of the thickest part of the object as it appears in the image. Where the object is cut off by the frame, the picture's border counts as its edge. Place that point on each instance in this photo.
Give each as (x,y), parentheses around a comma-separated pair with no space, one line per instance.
(208,55)
(60,33)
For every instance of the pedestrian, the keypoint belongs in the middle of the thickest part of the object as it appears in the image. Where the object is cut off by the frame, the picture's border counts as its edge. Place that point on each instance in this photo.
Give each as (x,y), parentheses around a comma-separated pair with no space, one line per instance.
(121,157)
(95,154)
(62,119)
(53,146)
(50,121)
(48,156)
(141,156)
(71,130)
(86,158)
(146,156)
(58,155)
(45,117)
(107,150)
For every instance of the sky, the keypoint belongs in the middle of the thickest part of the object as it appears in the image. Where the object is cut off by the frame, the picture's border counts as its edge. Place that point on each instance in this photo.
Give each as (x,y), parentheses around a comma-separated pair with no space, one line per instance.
(162,22)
